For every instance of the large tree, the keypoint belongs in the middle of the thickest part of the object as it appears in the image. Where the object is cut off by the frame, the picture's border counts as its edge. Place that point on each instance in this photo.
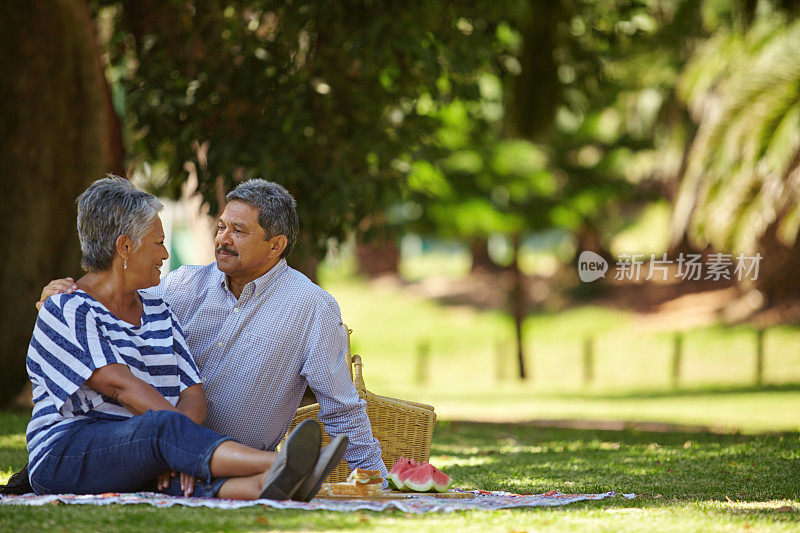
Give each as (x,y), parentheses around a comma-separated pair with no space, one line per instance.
(57,134)
(318,95)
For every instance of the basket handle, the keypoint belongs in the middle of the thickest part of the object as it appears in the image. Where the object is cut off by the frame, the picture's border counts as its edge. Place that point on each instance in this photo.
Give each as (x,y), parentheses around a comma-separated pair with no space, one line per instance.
(354,364)
(347,356)
(358,379)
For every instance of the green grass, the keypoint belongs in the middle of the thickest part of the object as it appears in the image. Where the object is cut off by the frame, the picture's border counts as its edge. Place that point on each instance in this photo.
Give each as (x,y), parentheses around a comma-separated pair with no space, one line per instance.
(470,370)
(684,482)
(738,478)
(726,410)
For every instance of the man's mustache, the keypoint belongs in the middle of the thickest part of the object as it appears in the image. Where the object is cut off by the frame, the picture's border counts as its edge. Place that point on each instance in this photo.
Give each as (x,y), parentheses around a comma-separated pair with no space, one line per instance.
(223,249)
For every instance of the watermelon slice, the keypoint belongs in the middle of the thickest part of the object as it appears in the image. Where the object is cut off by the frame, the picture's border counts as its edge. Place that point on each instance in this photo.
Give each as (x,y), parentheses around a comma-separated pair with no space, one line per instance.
(441,481)
(401,465)
(419,479)
(425,478)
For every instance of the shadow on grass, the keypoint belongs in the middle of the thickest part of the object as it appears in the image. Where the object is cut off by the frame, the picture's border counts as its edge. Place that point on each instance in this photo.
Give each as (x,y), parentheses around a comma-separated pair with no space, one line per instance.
(683,480)
(634,394)
(13,454)
(671,472)
(709,390)
(527,459)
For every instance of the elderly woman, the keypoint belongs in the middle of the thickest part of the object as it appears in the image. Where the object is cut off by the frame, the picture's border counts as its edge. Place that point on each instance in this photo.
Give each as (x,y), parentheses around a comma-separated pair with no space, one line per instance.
(117,397)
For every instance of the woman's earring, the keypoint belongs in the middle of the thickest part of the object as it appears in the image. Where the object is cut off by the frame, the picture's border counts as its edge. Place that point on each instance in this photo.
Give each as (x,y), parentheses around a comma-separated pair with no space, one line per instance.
(124,264)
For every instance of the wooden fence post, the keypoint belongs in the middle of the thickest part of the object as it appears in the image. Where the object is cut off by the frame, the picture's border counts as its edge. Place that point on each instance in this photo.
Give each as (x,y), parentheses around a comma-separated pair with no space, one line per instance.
(677,358)
(588,360)
(759,357)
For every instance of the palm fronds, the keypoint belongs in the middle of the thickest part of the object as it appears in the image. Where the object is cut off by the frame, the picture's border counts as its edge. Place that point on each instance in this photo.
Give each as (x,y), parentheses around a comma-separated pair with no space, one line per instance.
(742,168)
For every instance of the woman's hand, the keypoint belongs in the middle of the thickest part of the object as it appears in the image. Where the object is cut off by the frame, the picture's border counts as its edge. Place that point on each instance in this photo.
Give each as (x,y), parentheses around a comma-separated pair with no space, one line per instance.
(187,484)
(57,286)
(164,479)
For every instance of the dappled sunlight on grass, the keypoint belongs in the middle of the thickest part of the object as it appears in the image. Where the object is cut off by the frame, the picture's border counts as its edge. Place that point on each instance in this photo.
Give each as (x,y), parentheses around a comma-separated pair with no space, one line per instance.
(685,478)
(746,412)
(683,481)
(668,464)
(5,474)
(783,506)
(476,460)
(10,441)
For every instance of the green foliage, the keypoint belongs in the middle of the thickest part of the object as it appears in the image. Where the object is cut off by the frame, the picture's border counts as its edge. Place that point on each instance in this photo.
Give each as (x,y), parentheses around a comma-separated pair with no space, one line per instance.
(323,97)
(590,117)
(743,89)
(618,64)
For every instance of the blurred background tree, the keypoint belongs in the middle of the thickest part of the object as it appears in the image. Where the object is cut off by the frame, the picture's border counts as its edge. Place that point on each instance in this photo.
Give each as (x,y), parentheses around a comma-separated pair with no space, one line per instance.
(564,131)
(514,119)
(318,95)
(739,191)
(58,133)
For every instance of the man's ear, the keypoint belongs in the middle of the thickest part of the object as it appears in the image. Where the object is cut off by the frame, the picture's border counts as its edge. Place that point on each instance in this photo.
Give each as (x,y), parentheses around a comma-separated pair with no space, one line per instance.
(278,244)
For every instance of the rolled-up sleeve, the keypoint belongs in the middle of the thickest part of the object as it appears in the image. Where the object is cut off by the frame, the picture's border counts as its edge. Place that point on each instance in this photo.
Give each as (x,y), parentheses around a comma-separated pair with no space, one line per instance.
(341,409)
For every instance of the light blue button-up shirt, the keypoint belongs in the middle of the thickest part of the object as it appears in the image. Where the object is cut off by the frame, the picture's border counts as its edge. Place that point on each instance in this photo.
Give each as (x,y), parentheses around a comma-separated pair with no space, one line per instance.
(257,354)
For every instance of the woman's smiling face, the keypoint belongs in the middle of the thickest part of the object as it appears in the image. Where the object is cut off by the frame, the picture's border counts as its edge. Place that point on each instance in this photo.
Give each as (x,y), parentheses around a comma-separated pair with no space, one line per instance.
(144,265)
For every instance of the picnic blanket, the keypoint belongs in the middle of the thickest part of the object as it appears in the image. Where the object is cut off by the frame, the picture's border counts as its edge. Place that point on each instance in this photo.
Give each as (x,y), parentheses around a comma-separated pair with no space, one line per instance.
(482,500)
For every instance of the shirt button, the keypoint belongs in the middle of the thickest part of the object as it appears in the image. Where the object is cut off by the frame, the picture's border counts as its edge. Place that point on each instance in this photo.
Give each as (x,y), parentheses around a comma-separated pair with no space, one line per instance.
(219,344)
(235,309)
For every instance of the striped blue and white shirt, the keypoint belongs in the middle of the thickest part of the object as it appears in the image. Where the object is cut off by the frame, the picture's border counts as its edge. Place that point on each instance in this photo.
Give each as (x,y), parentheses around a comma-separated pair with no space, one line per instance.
(258,354)
(74,336)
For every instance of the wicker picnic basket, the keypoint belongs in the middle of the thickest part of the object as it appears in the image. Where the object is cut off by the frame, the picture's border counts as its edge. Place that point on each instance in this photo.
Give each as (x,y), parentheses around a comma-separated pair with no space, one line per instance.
(402,427)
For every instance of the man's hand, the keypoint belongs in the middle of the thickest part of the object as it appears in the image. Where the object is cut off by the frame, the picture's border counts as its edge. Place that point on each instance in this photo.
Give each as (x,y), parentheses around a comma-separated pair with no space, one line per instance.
(164,479)
(57,286)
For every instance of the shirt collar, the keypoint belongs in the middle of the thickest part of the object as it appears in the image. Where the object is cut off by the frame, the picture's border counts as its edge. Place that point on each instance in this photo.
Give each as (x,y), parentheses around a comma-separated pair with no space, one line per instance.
(260,283)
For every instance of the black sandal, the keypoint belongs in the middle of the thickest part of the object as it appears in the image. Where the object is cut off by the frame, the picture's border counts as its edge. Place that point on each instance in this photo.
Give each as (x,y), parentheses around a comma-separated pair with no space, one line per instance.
(294,463)
(329,458)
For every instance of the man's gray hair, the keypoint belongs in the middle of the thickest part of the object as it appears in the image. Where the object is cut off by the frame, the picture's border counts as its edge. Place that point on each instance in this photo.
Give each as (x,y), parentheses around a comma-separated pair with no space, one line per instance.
(111,207)
(276,208)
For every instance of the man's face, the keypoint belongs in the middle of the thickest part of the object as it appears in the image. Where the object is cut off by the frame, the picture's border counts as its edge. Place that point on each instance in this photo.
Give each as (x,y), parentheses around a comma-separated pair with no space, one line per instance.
(240,248)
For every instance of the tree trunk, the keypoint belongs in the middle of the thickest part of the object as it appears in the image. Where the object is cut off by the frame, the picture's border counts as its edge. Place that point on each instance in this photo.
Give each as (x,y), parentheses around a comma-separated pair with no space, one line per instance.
(57,135)
(779,269)
(378,256)
(517,305)
(535,93)
(588,238)
(481,261)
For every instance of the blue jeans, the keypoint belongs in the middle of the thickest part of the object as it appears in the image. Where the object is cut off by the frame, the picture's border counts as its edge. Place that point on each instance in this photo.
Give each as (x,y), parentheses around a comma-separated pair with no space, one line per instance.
(100,456)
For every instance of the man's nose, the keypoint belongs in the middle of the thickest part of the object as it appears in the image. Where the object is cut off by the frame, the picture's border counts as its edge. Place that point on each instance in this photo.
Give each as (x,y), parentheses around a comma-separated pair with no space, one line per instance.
(224,237)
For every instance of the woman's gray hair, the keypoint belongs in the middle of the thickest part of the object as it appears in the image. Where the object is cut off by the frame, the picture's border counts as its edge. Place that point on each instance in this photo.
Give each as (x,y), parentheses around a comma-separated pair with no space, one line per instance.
(111,207)
(276,208)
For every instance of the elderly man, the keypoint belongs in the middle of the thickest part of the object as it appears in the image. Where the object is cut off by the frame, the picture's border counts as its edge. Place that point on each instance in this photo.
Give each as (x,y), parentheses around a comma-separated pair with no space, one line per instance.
(260,331)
